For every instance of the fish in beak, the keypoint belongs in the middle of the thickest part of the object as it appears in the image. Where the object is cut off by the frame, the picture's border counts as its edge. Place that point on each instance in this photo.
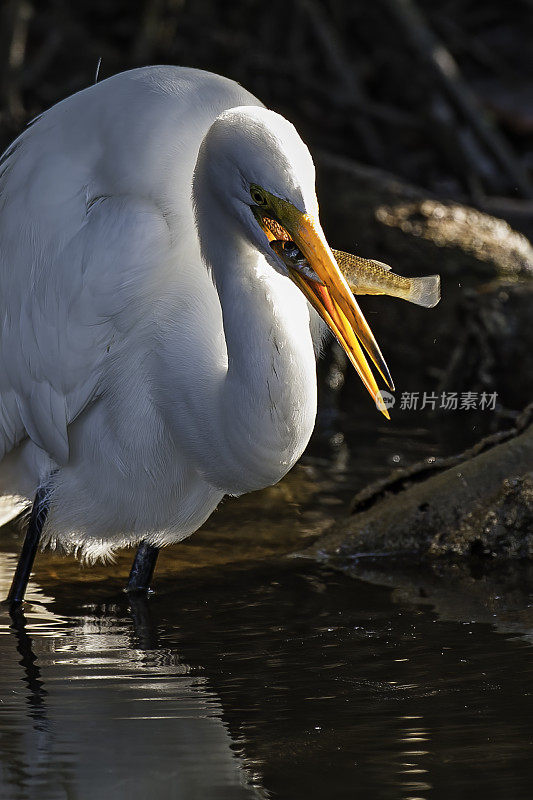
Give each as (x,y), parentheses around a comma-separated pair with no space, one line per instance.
(324,286)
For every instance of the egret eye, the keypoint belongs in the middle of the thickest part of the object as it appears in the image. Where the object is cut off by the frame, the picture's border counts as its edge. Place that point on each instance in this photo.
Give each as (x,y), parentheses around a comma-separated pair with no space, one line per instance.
(258,196)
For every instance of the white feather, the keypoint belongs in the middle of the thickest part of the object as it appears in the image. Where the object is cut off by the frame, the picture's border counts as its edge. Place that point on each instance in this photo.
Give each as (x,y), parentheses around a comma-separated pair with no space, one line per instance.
(151,391)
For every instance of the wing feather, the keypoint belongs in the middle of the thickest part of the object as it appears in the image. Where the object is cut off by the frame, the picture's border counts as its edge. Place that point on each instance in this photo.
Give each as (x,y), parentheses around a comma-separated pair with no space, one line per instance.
(74,278)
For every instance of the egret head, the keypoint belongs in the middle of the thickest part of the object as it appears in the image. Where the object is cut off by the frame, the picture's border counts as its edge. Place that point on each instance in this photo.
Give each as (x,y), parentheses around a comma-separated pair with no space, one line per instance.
(257,169)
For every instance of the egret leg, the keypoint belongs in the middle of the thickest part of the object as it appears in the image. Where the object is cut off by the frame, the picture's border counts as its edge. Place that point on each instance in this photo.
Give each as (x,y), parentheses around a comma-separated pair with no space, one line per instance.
(29,548)
(143,568)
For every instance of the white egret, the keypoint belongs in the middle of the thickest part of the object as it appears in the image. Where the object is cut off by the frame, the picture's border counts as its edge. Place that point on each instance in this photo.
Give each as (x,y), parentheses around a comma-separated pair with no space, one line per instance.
(155,352)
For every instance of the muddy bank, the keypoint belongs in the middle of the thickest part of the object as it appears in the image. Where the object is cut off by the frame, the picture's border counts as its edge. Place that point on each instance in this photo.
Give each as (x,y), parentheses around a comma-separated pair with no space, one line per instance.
(478,503)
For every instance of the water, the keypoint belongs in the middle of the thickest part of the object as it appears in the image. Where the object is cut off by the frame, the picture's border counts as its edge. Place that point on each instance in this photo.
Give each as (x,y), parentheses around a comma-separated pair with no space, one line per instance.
(251,674)
(282,679)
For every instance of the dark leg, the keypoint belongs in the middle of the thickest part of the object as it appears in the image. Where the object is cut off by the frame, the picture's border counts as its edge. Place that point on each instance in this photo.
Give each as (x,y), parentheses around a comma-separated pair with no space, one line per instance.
(143,568)
(32,672)
(29,548)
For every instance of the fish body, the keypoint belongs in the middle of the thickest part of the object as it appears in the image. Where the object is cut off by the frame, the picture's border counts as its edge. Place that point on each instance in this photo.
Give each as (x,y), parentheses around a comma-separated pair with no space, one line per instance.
(366,276)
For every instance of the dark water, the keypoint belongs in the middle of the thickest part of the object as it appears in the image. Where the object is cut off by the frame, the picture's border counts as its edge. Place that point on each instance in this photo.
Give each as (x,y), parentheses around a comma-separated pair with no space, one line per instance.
(256,675)
(282,680)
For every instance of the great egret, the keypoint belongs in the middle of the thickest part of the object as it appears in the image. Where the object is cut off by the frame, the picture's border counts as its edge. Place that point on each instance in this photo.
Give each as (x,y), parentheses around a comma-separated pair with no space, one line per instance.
(156,353)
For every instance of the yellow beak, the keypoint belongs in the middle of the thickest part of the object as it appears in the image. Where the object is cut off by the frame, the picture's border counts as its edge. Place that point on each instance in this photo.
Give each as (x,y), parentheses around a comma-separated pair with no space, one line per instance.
(330,296)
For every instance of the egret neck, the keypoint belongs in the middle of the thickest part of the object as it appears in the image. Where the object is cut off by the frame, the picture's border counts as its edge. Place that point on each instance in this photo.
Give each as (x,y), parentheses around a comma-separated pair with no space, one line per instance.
(265,405)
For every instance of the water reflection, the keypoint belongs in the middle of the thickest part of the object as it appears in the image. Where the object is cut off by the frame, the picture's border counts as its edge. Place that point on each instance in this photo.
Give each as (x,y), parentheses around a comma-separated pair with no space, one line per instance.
(31,670)
(95,708)
(283,680)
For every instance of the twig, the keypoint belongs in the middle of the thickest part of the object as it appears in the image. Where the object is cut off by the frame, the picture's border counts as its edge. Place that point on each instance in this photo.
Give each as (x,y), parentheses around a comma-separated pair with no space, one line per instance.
(474,47)
(35,67)
(382,112)
(446,70)
(14,17)
(152,30)
(351,93)
(461,147)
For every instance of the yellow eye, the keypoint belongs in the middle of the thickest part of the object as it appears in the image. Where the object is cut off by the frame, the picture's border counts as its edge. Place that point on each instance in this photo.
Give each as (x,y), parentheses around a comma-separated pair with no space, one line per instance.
(258,196)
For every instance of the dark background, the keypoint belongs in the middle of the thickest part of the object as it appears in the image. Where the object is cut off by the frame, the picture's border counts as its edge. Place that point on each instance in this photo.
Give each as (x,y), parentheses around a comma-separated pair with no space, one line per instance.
(357,78)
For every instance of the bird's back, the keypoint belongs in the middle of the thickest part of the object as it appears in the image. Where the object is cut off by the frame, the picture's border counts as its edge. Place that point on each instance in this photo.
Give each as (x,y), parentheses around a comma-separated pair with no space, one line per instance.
(134,136)
(88,194)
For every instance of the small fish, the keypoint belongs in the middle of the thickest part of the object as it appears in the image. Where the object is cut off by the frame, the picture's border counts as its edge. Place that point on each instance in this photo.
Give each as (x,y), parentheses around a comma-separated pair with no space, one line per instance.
(365,276)
(289,251)
(293,257)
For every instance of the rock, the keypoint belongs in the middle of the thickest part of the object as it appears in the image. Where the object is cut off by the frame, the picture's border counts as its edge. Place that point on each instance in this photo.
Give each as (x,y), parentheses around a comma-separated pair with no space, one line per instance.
(479,503)
(505,527)
(379,216)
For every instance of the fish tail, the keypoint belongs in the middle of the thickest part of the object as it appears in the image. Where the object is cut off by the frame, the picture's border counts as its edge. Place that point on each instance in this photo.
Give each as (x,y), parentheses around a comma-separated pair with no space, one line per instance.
(425,291)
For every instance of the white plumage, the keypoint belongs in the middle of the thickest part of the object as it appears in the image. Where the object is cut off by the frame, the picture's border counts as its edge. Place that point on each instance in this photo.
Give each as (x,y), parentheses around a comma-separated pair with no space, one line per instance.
(154,352)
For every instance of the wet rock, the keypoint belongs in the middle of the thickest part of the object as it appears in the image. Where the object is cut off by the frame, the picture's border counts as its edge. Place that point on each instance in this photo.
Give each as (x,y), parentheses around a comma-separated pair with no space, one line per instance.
(479,503)
(505,527)
(490,241)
